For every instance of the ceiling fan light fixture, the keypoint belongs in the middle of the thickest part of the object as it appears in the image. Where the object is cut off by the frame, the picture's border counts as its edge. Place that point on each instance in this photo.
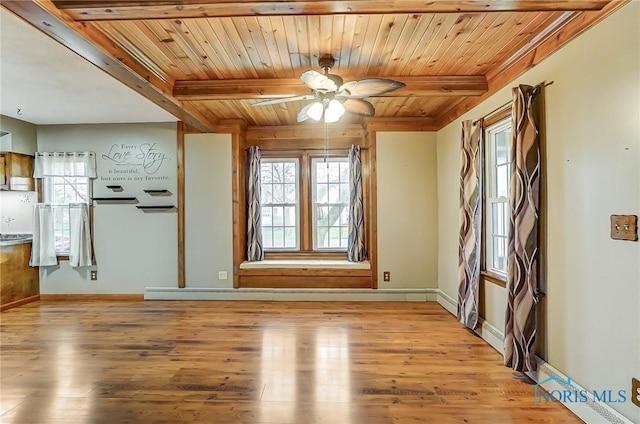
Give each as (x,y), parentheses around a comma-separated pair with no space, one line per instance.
(334,111)
(315,111)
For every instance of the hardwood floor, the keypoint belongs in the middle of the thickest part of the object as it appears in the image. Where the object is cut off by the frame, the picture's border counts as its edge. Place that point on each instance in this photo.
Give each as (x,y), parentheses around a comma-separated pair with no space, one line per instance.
(254,362)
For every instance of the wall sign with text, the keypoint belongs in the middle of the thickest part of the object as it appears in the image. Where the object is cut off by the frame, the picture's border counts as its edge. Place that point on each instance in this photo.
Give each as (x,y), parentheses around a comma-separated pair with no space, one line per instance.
(135,162)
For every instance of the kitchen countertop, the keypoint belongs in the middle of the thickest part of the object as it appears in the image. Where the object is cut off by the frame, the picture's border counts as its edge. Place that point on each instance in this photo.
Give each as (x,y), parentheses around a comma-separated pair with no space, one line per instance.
(13,239)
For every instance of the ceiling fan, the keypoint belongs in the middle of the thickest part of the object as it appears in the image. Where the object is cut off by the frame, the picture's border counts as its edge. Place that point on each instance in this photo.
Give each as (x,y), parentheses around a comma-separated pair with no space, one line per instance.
(333,97)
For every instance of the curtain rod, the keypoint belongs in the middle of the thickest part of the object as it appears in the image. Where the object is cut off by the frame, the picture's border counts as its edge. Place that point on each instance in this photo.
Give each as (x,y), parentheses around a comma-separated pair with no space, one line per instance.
(499,108)
(285,149)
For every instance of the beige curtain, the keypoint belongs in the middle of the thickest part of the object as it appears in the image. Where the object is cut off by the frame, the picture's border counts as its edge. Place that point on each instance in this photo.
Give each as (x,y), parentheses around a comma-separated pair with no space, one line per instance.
(470,223)
(522,267)
(43,247)
(80,230)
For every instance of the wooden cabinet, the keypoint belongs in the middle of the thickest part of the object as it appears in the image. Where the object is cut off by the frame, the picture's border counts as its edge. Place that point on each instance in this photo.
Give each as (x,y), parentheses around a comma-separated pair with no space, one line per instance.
(19,283)
(16,165)
(3,174)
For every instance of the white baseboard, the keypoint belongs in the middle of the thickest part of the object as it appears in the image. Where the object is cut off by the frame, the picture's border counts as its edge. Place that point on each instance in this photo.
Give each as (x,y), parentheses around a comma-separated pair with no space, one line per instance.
(491,335)
(328,295)
(590,411)
(488,332)
(447,302)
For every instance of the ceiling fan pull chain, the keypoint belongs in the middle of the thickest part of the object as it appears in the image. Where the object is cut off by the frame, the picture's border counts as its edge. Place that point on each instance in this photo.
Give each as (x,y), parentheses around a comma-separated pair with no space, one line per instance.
(326,138)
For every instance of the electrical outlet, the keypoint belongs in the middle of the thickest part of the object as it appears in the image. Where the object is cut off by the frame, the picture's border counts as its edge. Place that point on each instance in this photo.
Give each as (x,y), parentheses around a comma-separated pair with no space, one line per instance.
(222,275)
(94,275)
(386,276)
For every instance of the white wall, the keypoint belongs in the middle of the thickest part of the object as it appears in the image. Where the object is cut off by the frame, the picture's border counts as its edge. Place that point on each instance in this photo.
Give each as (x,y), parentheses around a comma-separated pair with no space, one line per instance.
(407,209)
(22,138)
(133,249)
(208,210)
(593,157)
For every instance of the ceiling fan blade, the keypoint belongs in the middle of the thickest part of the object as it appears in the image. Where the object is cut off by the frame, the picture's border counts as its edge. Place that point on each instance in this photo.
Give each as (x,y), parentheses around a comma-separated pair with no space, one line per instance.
(302,115)
(359,107)
(318,82)
(284,100)
(368,87)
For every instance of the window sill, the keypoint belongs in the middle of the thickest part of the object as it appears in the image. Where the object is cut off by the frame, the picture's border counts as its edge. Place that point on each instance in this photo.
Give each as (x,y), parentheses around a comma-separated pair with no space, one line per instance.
(305,264)
(494,278)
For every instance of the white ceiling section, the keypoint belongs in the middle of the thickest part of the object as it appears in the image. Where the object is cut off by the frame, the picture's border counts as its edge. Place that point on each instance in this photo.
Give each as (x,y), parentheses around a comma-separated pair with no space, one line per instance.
(52,85)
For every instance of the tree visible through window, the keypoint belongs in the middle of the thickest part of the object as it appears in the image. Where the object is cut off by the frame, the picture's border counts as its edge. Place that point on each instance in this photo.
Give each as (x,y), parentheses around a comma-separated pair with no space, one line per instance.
(60,192)
(310,204)
(330,203)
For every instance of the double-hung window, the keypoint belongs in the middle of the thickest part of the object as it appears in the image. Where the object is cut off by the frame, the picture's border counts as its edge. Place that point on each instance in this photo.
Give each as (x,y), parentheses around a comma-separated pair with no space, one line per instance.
(330,181)
(497,183)
(280,207)
(60,192)
(304,204)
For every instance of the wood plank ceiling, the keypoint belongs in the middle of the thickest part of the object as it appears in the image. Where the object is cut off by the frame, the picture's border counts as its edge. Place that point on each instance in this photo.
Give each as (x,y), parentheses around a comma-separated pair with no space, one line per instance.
(207,62)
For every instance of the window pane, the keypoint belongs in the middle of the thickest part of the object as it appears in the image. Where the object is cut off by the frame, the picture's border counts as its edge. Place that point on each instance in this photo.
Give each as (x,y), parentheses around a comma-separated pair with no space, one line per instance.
(502,181)
(278,193)
(344,171)
(322,193)
(321,237)
(266,193)
(267,237)
(500,218)
(344,193)
(322,216)
(321,172)
(278,237)
(290,216)
(278,215)
(499,253)
(334,172)
(290,172)
(502,141)
(267,216)
(334,237)
(265,173)
(334,193)
(290,237)
(290,193)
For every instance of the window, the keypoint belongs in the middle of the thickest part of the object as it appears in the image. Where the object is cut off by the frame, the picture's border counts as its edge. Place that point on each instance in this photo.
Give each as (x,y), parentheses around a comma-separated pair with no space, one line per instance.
(304,203)
(497,183)
(59,192)
(330,203)
(279,204)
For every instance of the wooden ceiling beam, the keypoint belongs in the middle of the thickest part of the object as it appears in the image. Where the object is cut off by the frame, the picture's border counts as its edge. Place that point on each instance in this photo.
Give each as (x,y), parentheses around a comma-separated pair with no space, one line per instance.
(88,43)
(401,124)
(237,89)
(294,133)
(84,10)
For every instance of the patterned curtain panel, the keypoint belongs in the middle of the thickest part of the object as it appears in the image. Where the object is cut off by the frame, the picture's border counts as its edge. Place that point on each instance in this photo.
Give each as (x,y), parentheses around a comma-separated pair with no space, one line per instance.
(356,251)
(254,227)
(470,223)
(522,267)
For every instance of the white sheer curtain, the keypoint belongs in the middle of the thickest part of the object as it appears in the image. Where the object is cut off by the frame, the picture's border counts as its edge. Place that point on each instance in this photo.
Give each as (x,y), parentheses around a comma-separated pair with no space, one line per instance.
(65,164)
(43,249)
(80,242)
(62,164)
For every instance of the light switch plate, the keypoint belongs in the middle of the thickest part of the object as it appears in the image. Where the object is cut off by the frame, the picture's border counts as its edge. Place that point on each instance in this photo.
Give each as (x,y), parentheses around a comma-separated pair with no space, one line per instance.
(624,227)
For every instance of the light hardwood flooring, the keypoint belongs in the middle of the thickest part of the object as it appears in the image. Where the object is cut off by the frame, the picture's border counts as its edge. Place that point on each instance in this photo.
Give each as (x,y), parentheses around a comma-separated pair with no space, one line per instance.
(254,362)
